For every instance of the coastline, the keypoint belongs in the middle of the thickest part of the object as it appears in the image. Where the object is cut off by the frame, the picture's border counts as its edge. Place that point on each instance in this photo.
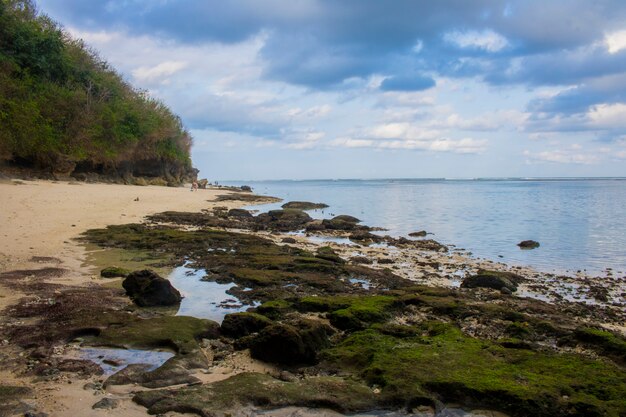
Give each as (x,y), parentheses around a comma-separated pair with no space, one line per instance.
(44,230)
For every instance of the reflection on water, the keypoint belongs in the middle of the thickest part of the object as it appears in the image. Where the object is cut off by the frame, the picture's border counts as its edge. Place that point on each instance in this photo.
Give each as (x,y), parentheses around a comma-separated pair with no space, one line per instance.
(580,223)
(113,360)
(204,299)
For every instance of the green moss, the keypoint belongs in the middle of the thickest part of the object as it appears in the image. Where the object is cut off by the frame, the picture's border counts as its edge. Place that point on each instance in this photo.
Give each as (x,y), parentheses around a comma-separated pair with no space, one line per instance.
(274,309)
(605,342)
(351,312)
(262,391)
(114,272)
(458,368)
(178,332)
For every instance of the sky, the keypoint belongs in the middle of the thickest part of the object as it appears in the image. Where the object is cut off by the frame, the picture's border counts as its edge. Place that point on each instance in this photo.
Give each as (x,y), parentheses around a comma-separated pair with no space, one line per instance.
(316,89)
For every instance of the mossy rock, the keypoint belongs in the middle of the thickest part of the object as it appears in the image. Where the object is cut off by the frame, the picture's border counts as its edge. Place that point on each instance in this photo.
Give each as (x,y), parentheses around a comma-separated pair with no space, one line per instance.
(274,309)
(242,324)
(603,341)
(114,272)
(327,253)
(493,279)
(455,368)
(180,333)
(304,205)
(346,218)
(262,391)
(291,344)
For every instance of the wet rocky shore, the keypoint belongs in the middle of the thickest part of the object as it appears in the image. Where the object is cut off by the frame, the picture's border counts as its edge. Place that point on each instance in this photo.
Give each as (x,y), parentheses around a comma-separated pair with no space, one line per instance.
(331,315)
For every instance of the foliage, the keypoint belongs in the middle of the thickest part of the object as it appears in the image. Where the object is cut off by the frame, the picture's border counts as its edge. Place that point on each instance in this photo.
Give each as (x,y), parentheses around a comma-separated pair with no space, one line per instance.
(59,101)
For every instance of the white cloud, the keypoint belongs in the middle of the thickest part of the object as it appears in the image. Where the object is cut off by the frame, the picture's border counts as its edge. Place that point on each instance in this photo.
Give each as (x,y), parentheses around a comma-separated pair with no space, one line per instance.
(464,146)
(608,116)
(164,69)
(487,40)
(562,157)
(615,41)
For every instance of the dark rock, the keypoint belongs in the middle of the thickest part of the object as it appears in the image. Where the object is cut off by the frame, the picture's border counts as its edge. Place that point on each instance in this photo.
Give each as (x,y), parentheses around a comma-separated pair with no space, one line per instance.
(338,224)
(106,404)
(171,373)
(421,233)
(493,279)
(289,240)
(246,188)
(283,220)
(242,324)
(384,261)
(146,288)
(346,218)
(364,236)
(114,272)
(528,244)
(287,344)
(327,253)
(239,213)
(361,260)
(304,205)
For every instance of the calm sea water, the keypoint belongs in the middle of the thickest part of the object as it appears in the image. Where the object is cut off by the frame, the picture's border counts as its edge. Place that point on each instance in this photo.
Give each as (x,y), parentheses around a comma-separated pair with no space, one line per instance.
(580,223)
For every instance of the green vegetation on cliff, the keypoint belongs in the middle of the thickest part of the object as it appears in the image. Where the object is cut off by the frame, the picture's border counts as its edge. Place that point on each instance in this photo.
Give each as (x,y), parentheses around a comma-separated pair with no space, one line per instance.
(65,110)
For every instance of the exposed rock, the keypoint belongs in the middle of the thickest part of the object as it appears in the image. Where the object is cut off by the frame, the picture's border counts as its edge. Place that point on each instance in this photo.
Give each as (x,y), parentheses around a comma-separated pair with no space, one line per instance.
(346,218)
(361,260)
(114,272)
(242,324)
(172,373)
(284,220)
(363,236)
(106,404)
(203,183)
(246,188)
(327,253)
(528,244)
(288,240)
(242,213)
(287,344)
(383,261)
(421,233)
(493,279)
(304,205)
(146,288)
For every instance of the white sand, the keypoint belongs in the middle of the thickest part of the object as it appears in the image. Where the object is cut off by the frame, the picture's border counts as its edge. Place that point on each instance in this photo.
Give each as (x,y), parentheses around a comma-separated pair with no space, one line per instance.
(40,218)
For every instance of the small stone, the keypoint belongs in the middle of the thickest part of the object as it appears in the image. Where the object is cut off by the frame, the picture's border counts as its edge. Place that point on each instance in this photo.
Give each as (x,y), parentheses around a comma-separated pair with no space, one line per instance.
(106,404)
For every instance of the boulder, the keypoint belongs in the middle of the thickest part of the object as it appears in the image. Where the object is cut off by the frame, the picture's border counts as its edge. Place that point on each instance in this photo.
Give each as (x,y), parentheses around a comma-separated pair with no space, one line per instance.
(203,183)
(146,288)
(346,218)
(421,233)
(528,244)
(246,188)
(288,240)
(242,324)
(291,344)
(106,404)
(241,213)
(284,220)
(304,205)
(493,279)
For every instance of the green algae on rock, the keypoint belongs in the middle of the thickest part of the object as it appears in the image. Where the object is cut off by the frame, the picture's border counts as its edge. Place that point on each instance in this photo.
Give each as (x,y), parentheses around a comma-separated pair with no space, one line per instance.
(262,391)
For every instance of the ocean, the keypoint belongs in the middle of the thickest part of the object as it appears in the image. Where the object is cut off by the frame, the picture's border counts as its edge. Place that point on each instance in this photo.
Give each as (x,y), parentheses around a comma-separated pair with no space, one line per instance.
(580,223)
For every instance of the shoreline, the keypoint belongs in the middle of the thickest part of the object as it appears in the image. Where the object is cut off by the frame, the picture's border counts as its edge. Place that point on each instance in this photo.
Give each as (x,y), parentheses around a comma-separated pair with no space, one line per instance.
(49,241)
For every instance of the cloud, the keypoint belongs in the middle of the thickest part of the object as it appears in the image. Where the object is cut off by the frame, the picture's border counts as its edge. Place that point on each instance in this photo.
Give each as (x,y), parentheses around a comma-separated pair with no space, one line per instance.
(562,157)
(616,41)
(461,146)
(487,40)
(164,69)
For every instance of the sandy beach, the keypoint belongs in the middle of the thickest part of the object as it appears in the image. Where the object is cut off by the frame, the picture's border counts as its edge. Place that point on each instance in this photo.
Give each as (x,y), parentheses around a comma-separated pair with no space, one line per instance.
(40,218)
(39,221)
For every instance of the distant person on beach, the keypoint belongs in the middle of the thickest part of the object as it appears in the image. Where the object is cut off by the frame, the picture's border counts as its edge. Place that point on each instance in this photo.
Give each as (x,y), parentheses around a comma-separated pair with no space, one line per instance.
(194,186)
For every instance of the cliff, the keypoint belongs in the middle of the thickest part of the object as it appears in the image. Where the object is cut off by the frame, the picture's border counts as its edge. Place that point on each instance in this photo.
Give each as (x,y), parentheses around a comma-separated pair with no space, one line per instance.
(65,112)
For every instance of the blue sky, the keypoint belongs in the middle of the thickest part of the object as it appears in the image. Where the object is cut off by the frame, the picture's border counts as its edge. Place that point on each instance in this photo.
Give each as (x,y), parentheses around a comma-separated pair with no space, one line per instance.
(302,89)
